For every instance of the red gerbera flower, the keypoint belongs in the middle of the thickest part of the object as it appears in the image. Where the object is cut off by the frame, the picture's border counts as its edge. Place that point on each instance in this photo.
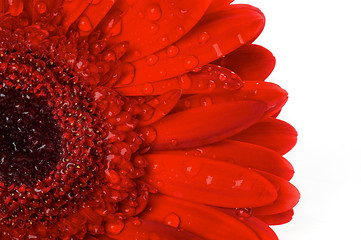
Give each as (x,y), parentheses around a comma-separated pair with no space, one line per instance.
(139,119)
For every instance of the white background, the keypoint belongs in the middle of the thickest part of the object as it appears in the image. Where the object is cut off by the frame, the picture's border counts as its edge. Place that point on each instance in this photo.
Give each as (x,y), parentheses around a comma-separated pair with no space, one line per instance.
(317,45)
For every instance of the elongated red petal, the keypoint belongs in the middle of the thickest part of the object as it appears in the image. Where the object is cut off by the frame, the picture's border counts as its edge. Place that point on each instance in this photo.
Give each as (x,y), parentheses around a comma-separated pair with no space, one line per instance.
(210,79)
(150,25)
(204,221)
(162,105)
(276,219)
(203,44)
(251,62)
(271,133)
(269,93)
(208,181)
(287,196)
(205,125)
(243,154)
(141,229)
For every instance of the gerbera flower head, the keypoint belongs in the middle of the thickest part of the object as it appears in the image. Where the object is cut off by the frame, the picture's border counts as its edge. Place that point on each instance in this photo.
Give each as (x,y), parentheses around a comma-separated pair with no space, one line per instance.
(139,120)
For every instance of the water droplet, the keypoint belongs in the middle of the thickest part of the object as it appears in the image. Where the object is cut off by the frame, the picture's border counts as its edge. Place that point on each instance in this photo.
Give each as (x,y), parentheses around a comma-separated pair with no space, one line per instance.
(185,82)
(187,104)
(114,227)
(137,53)
(172,220)
(222,77)
(165,39)
(172,51)
(154,12)
(183,11)
(149,134)
(153,28)
(192,168)
(41,7)
(180,30)
(209,180)
(152,59)
(136,222)
(85,24)
(148,89)
(173,142)
(203,37)
(156,167)
(190,62)
(162,72)
(244,212)
(159,184)
(211,85)
(217,49)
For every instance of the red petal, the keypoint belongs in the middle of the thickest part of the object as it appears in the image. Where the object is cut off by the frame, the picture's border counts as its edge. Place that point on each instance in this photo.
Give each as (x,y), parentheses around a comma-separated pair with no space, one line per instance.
(277,219)
(269,93)
(149,26)
(140,229)
(271,133)
(203,44)
(205,125)
(243,154)
(287,196)
(208,181)
(210,79)
(162,105)
(207,222)
(250,62)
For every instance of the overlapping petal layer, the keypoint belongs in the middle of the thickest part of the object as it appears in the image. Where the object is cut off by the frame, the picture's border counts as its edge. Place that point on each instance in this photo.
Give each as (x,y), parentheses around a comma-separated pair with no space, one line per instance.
(192,148)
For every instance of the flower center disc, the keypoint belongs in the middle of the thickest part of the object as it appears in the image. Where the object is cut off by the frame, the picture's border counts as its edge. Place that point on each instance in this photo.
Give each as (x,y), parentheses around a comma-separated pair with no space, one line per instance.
(30,138)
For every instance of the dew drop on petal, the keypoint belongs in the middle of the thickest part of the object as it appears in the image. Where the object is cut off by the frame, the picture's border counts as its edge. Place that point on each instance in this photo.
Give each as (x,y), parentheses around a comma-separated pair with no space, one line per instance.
(203,37)
(149,134)
(209,180)
(152,59)
(114,227)
(153,28)
(180,30)
(185,82)
(172,51)
(192,168)
(244,212)
(172,220)
(206,101)
(173,142)
(190,62)
(136,222)
(41,7)
(222,77)
(154,12)
(156,167)
(148,89)
(187,104)
(211,85)
(84,24)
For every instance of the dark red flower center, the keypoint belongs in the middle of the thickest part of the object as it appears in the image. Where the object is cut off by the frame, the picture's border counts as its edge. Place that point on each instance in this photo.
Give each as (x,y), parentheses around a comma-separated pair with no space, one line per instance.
(30,138)
(67,146)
